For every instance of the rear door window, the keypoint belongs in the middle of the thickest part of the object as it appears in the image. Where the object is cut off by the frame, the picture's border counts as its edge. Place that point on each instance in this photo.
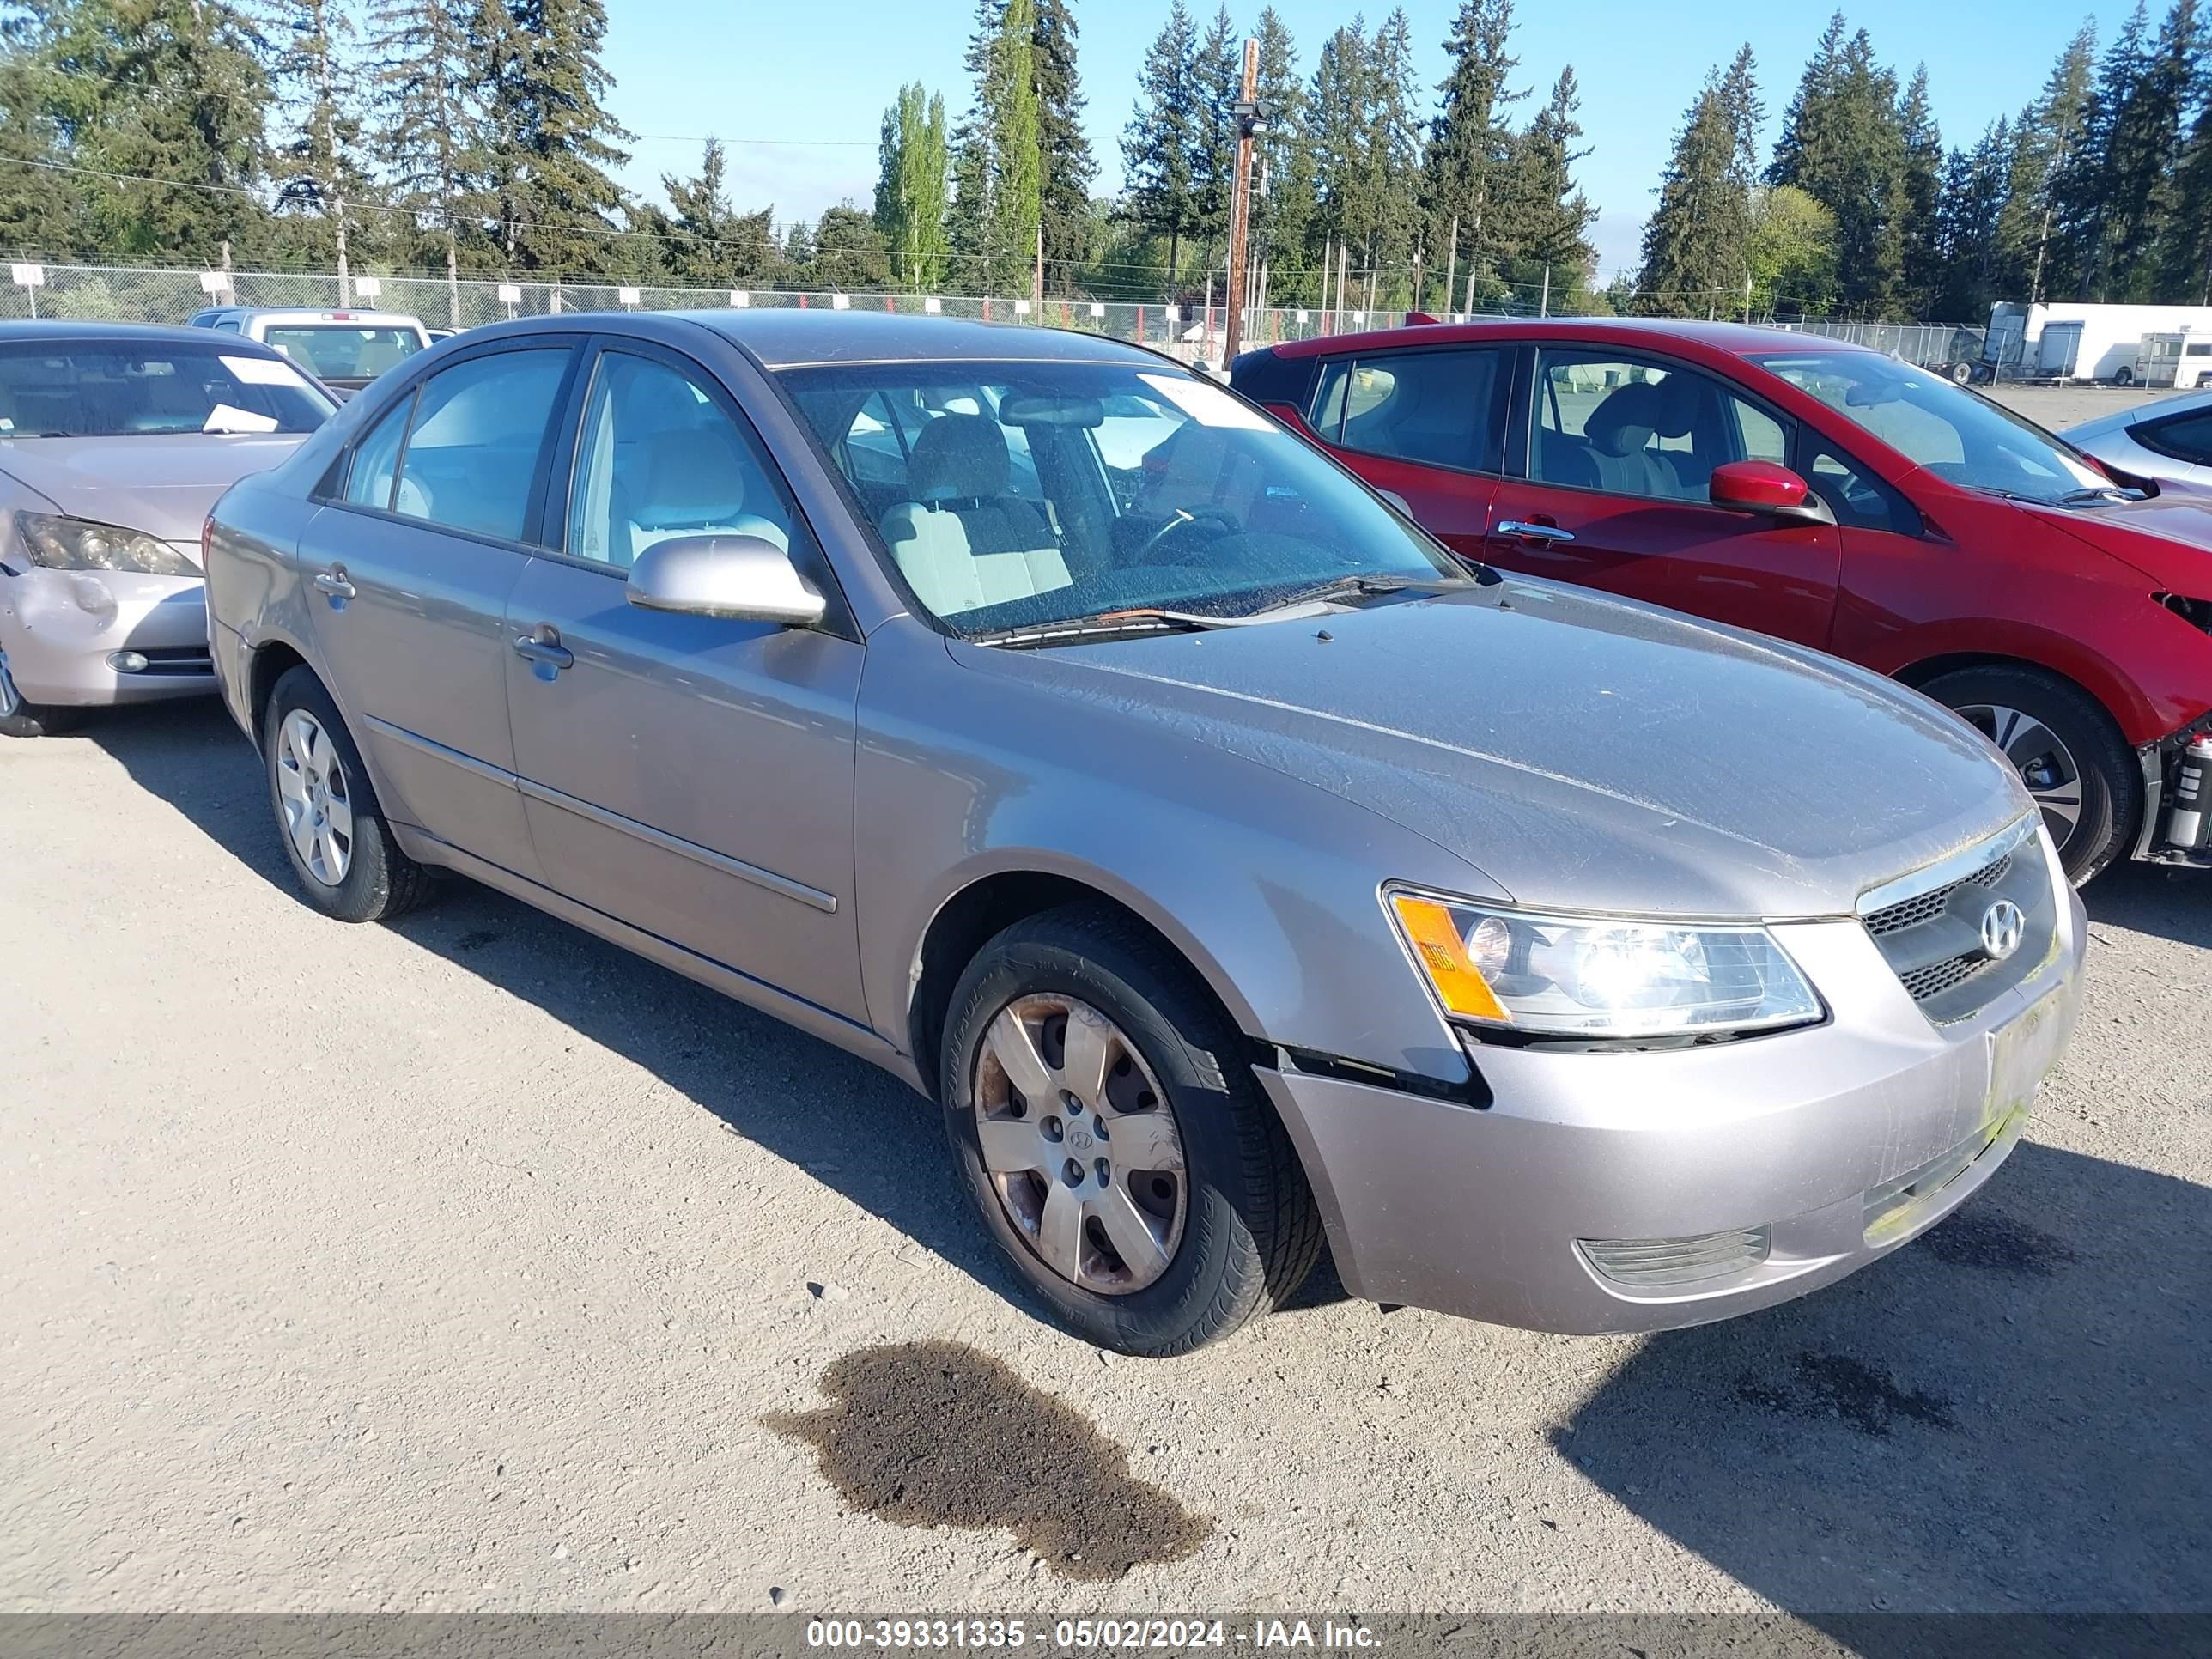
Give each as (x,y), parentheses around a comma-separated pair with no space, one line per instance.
(470,461)
(2185,437)
(1438,408)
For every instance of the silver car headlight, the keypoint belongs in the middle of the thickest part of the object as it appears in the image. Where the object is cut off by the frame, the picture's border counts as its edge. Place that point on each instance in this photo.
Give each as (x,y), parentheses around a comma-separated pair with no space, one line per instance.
(63,543)
(1598,976)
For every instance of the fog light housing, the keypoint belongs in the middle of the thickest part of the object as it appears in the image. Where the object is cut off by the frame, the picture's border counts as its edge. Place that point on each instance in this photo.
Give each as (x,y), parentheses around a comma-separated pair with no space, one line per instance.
(126,662)
(1658,1263)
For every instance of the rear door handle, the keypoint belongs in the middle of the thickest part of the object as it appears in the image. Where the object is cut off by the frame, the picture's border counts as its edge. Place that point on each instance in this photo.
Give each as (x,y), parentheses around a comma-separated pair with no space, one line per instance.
(1535,532)
(333,582)
(543,646)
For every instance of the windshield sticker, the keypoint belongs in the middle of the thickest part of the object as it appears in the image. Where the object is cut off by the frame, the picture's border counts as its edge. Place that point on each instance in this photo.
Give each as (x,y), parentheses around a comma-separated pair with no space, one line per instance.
(226,417)
(1209,405)
(261,371)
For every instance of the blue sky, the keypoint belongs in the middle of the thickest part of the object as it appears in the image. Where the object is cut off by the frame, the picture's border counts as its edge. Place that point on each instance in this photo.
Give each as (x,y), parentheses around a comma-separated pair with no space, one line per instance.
(783,71)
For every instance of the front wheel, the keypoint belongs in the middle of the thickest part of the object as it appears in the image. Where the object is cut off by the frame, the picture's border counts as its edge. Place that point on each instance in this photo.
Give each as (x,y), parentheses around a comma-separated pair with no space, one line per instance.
(342,853)
(2123,377)
(1122,1157)
(22,718)
(2069,754)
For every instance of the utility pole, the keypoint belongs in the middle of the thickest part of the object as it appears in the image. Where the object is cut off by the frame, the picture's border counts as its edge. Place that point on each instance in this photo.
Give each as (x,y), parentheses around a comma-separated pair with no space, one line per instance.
(1036,274)
(1247,112)
(1343,258)
(1747,297)
(1544,298)
(1451,264)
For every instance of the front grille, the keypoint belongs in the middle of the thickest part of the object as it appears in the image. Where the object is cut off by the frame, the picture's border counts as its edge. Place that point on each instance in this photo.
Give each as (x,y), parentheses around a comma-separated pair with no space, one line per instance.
(1928,925)
(1908,913)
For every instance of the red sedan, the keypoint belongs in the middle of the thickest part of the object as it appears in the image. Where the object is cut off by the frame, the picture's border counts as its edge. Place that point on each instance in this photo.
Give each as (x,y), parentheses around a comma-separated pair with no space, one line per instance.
(1825,493)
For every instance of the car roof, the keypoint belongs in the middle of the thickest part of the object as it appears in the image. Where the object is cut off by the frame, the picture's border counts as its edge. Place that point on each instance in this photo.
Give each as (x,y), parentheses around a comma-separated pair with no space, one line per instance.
(2179,403)
(1737,339)
(789,338)
(62,331)
(346,313)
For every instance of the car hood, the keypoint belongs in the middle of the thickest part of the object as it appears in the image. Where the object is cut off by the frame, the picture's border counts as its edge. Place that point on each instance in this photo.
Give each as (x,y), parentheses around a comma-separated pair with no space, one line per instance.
(1579,750)
(162,484)
(2168,538)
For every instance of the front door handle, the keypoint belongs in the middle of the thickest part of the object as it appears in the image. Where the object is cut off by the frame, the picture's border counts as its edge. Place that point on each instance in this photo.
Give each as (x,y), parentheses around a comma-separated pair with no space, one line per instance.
(1535,532)
(543,646)
(334,583)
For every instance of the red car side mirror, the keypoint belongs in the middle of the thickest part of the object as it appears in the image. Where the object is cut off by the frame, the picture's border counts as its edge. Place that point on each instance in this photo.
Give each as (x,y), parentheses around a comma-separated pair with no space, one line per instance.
(1773,492)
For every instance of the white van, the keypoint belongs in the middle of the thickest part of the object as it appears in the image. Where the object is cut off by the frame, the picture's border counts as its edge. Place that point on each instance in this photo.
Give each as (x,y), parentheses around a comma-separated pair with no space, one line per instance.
(343,349)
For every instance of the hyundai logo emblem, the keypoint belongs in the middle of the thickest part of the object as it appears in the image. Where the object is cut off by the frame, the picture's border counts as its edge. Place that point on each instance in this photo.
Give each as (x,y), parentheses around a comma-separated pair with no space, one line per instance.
(1079,1139)
(2002,927)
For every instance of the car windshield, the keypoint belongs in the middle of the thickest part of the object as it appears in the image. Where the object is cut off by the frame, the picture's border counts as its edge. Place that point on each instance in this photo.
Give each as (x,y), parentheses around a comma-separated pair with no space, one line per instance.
(1952,432)
(343,351)
(1015,495)
(102,390)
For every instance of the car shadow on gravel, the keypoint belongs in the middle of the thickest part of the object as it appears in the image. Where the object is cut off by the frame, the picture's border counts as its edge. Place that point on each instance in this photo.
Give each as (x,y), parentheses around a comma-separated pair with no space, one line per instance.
(2008,1414)
(2172,904)
(853,1127)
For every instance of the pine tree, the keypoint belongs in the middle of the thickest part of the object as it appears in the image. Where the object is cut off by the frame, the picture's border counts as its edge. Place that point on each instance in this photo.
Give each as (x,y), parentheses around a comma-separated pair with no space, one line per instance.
(2151,92)
(910,196)
(1970,224)
(1157,144)
(1017,178)
(551,138)
(1069,167)
(2185,250)
(1394,148)
(1693,245)
(1217,80)
(2037,252)
(426,102)
(968,221)
(1551,248)
(315,167)
(1843,143)
(848,250)
(1283,191)
(1345,211)
(1470,141)
(2090,213)
(1807,141)
(1921,189)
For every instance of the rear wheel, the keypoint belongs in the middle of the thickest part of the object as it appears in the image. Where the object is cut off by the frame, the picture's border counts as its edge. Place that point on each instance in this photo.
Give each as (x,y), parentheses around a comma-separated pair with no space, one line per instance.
(2123,377)
(1122,1157)
(341,851)
(2069,754)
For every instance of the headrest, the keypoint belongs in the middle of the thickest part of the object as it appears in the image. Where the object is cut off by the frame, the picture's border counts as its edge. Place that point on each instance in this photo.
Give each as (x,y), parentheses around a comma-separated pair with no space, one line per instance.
(1678,405)
(958,458)
(1626,421)
(698,475)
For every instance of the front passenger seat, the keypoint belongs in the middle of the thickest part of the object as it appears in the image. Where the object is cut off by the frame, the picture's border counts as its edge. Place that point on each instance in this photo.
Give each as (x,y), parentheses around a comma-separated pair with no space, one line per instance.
(963,542)
(1619,431)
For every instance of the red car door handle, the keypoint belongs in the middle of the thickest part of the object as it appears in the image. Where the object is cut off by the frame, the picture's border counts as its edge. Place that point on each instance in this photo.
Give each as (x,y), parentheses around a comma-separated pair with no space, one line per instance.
(1535,532)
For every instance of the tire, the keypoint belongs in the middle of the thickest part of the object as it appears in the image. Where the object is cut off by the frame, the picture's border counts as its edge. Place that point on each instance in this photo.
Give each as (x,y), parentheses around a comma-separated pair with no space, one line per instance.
(2071,756)
(1235,1226)
(356,874)
(21,718)
(1961,373)
(2123,377)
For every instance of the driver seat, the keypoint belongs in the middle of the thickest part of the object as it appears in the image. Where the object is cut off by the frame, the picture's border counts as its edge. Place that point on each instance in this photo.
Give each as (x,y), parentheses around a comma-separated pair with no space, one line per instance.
(963,542)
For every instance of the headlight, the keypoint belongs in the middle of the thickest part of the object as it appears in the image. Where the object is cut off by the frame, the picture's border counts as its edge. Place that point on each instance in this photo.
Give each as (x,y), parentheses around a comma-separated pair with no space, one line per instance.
(61,544)
(1598,977)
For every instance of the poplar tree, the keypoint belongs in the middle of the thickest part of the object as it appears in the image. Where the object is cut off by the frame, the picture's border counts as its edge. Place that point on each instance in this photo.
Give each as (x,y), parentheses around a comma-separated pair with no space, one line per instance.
(910,196)
(1018,182)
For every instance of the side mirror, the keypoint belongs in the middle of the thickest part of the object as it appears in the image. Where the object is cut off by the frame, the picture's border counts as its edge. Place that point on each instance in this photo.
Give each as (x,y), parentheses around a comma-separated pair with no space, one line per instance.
(743,578)
(1397,500)
(1771,491)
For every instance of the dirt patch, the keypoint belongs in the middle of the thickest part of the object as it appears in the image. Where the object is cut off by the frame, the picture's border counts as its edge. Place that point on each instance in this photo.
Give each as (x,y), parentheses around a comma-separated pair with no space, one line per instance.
(1830,1385)
(935,1434)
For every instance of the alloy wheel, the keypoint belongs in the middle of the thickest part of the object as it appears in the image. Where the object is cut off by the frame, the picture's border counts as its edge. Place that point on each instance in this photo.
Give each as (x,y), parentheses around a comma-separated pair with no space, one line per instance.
(1080,1144)
(316,796)
(2046,765)
(12,700)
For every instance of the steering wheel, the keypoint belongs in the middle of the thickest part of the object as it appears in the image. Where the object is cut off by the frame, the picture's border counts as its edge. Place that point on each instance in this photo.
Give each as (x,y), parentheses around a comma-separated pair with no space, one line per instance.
(1182,519)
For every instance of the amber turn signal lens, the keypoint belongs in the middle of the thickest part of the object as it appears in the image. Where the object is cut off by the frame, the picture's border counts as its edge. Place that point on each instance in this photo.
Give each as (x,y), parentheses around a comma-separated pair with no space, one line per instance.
(1435,938)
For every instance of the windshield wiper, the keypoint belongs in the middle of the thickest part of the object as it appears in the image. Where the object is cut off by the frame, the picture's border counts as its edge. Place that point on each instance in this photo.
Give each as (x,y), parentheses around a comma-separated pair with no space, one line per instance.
(1105,625)
(1345,588)
(2098,493)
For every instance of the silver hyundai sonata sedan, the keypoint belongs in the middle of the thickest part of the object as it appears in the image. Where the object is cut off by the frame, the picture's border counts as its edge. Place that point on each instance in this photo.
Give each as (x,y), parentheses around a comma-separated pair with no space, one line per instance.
(115,439)
(1234,868)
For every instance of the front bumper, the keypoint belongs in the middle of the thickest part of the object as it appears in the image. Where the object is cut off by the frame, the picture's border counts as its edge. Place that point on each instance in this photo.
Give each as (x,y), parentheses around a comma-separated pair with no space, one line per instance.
(62,633)
(1804,1134)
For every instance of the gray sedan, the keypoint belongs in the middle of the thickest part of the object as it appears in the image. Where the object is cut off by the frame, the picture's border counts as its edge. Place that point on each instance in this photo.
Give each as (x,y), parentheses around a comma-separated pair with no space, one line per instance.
(114,442)
(1235,867)
(2170,439)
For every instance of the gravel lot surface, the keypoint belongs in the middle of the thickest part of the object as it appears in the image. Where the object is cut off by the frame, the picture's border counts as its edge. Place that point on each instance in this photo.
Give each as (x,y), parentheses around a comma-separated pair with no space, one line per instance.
(468,1263)
(2059,407)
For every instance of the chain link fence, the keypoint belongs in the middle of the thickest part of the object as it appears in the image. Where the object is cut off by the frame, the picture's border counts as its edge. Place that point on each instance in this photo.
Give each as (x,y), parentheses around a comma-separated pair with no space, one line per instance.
(114,293)
(153,294)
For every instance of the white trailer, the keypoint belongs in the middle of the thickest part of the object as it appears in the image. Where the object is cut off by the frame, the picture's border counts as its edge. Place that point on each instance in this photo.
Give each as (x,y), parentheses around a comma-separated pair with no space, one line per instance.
(2073,341)
(2180,359)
